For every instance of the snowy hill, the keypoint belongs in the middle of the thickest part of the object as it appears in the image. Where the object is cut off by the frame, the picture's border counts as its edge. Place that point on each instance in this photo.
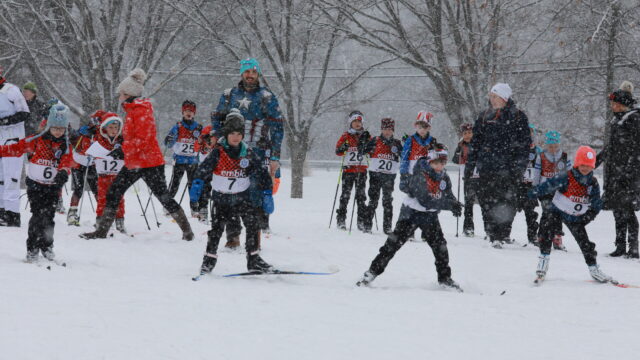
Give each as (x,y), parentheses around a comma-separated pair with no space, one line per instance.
(133,298)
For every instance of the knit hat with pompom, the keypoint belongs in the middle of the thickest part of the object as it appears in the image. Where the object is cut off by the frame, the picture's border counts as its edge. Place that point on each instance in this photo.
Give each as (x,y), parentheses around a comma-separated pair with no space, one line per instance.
(133,84)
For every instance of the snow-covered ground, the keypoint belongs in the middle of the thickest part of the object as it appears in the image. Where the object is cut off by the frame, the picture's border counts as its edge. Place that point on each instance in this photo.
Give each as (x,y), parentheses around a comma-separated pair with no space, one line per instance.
(133,298)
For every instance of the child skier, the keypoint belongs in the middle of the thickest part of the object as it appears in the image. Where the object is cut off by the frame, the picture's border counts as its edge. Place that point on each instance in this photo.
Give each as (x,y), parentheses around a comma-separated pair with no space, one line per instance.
(83,166)
(384,151)
(240,187)
(417,145)
(529,205)
(107,140)
(470,184)
(47,171)
(550,163)
(575,202)
(429,191)
(182,139)
(354,169)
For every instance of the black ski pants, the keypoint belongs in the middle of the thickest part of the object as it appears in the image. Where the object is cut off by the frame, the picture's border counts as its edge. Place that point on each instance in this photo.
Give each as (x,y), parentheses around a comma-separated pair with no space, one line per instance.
(470,198)
(626,228)
(154,178)
(497,198)
(379,182)
(551,225)
(349,180)
(176,177)
(227,209)
(43,200)
(528,206)
(408,222)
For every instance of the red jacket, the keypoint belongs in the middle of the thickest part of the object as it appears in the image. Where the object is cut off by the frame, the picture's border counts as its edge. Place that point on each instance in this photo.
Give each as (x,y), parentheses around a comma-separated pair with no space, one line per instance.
(140,146)
(353,161)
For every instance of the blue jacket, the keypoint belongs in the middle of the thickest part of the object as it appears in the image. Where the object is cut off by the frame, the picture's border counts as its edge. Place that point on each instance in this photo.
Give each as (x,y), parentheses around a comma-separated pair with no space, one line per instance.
(560,183)
(406,150)
(416,186)
(262,115)
(501,142)
(171,138)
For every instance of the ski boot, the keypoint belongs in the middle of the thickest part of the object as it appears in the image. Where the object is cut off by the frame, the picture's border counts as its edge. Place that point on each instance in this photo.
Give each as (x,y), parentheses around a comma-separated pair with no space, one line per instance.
(342,225)
(598,275)
(233,242)
(32,256)
(72,216)
(543,266)
(183,223)
(468,232)
(48,254)
(557,243)
(120,225)
(60,207)
(255,263)
(620,251)
(203,215)
(633,253)
(10,219)
(208,263)
(448,283)
(496,244)
(367,278)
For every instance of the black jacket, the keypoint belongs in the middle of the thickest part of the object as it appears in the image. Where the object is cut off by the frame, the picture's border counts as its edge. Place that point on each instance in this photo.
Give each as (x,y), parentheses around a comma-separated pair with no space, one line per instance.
(621,157)
(37,112)
(500,144)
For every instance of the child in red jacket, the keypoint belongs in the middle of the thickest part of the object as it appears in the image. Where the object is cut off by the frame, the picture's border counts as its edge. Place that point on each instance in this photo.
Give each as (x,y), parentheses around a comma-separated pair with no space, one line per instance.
(47,171)
(354,169)
(107,140)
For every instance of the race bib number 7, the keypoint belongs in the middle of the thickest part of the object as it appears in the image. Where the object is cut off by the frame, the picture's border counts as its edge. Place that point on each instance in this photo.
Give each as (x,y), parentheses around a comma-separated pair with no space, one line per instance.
(229,185)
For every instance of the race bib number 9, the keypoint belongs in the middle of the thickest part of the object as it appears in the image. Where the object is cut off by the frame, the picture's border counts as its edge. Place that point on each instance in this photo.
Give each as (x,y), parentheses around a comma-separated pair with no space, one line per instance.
(109,166)
(41,173)
(229,185)
(384,166)
(571,207)
(184,149)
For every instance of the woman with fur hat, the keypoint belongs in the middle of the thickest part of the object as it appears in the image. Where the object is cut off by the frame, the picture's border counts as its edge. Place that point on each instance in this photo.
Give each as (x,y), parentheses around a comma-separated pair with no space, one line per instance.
(622,170)
(142,158)
(47,171)
(237,177)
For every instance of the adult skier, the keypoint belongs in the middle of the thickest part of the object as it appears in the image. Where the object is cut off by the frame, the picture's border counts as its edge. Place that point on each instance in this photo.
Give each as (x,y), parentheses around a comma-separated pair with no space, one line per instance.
(142,158)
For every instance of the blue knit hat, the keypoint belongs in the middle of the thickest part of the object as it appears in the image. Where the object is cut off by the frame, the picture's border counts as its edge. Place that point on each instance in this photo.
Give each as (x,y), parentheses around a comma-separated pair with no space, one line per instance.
(248,64)
(552,137)
(58,116)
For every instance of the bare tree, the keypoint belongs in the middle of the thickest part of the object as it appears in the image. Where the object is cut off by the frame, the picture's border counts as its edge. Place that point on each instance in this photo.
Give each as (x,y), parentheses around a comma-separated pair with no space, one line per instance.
(90,44)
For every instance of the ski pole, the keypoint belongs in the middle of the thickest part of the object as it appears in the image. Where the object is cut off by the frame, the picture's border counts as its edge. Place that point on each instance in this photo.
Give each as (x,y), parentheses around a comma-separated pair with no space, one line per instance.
(458,218)
(135,189)
(335,197)
(183,191)
(375,216)
(84,186)
(153,207)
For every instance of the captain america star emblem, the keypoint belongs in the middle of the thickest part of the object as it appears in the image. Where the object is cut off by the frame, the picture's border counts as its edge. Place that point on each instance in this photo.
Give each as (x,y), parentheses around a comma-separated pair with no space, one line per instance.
(443,185)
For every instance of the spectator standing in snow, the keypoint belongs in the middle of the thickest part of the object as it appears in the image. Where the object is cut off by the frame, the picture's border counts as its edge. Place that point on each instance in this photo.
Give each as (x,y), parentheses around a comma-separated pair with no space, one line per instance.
(621,157)
(37,108)
(499,151)
(470,184)
(263,127)
(142,158)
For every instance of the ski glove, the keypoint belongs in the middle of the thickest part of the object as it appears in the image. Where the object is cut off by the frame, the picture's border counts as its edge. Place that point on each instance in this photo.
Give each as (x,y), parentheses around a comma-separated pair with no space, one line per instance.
(267,202)
(196,190)
(456,208)
(342,148)
(87,130)
(468,171)
(588,217)
(117,153)
(60,179)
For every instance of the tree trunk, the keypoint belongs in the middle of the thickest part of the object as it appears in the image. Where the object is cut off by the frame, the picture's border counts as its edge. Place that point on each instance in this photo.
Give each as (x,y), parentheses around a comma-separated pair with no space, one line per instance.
(298,157)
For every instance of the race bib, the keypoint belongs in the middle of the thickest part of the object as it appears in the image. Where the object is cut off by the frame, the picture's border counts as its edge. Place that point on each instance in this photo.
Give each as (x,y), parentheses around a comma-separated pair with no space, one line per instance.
(108,166)
(353,158)
(384,166)
(576,205)
(41,173)
(528,175)
(184,149)
(229,185)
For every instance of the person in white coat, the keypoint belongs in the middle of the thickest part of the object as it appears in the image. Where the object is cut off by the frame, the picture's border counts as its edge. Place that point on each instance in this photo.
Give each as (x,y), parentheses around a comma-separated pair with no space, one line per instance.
(14,111)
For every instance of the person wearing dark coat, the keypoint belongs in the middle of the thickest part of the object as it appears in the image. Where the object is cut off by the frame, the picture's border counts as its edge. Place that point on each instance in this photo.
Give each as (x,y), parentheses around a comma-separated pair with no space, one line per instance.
(499,151)
(37,109)
(621,158)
